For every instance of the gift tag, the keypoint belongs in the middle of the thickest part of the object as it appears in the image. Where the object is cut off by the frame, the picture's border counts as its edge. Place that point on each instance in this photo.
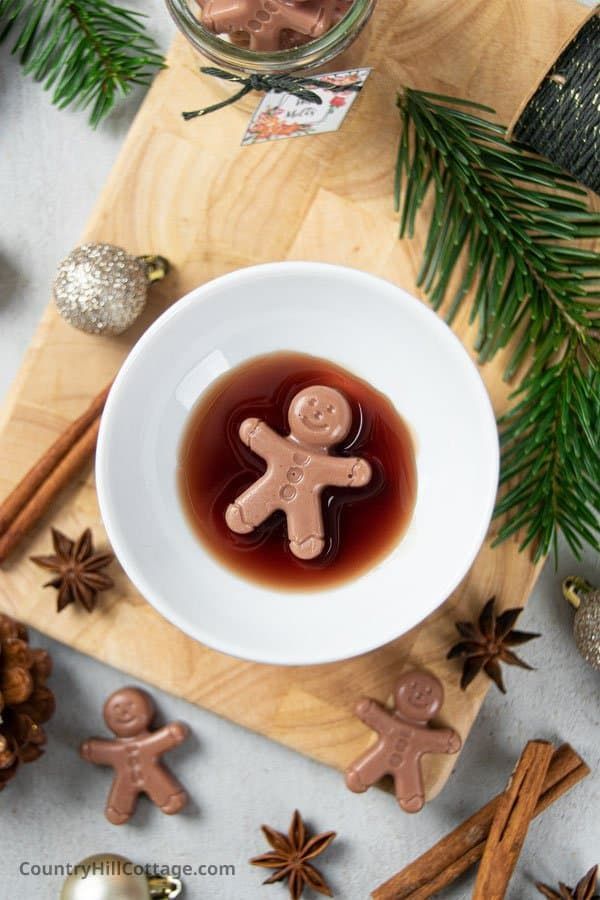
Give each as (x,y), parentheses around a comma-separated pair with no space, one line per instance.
(281,115)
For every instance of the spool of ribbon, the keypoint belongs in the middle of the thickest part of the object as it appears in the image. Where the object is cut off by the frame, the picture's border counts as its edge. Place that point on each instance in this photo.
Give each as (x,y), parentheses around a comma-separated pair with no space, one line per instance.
(560,118)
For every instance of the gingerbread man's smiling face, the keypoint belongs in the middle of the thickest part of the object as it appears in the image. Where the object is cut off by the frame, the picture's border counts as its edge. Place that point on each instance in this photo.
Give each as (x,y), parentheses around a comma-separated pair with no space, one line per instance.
(128,712)
(319,416)
(419,696)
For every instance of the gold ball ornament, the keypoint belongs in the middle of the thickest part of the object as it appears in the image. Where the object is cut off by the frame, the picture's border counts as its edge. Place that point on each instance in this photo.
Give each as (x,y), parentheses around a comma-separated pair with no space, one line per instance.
(108,876)
(585,598)
(102,289)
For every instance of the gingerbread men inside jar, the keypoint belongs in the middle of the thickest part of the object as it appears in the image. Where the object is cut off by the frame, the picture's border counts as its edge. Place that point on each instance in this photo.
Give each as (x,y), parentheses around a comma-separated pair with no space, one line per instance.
(404,737)
(268,23)
(299,468)
(134,756)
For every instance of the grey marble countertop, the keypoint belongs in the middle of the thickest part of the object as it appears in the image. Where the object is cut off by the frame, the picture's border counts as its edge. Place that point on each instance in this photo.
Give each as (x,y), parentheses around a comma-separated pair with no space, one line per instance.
(51,170)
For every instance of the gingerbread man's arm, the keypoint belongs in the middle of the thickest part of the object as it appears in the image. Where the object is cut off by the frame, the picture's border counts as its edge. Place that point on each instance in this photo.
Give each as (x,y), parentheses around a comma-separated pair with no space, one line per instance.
(343,471)
(374,715)
(299,19)
(101,752)
(441,740)
(166,738)
(261,439)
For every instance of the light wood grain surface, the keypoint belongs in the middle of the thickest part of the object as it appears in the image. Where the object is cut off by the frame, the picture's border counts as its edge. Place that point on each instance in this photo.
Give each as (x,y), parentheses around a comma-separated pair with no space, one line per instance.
(188,191)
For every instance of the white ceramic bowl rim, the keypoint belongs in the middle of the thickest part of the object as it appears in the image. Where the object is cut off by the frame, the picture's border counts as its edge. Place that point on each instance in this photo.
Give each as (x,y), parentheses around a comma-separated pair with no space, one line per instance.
(405,350)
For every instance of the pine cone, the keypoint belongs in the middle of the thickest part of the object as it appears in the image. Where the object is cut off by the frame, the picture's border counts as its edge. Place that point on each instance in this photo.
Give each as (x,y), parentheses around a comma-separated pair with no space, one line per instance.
(25,701)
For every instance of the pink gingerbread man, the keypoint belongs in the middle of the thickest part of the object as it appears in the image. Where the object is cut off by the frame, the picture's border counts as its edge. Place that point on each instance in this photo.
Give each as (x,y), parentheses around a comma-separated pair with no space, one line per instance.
(134,755)
(299,467)
(267,21)
(404,737)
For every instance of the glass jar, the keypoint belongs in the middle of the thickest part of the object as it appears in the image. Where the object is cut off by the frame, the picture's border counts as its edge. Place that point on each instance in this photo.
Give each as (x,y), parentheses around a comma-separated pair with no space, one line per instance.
(310,57)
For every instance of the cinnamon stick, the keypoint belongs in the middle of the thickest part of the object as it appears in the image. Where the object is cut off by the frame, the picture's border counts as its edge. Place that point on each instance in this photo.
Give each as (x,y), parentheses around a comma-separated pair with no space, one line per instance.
(59,477)
(42,469)
(509,827)
(458,851)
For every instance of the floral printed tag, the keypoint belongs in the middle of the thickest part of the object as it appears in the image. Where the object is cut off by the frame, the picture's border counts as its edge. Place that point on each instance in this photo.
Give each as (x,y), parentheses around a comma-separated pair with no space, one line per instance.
(280,115)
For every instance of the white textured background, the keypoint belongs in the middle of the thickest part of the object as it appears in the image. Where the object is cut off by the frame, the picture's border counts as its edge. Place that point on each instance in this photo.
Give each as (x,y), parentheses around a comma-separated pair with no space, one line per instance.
(51,170)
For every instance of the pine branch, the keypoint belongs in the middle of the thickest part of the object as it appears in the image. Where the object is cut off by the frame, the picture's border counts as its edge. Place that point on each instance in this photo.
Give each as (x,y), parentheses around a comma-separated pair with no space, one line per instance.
(550,447)
(511,224)
(88,52)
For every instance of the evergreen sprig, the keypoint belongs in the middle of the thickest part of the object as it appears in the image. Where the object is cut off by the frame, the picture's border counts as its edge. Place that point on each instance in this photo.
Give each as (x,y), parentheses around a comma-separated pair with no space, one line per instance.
(511,228)
(88,52)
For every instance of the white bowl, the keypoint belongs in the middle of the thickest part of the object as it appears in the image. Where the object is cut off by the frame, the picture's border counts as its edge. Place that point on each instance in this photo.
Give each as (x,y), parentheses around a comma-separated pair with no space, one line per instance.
(383,335)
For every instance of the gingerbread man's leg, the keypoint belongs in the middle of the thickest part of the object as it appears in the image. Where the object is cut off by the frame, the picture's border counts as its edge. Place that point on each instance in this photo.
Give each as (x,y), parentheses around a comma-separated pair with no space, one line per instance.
(164,790)
(368,768)
(305,528)
(408,782)
(312,25)
(251,508)
(121,800)
(217,17)
(262,39)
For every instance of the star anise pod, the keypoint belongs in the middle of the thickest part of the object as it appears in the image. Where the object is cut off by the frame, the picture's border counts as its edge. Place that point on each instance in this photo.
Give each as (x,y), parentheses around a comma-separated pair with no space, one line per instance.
(78,570)
(290,858)
(486,644)
(583,890)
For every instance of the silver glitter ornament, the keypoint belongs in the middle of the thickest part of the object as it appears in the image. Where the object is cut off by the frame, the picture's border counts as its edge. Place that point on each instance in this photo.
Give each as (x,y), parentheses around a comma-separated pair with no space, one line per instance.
(102,289)
(108,876)
(586,625)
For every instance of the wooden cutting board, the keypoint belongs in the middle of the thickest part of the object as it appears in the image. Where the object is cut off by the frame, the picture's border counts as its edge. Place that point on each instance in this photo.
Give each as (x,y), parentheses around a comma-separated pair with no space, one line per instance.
(188,191)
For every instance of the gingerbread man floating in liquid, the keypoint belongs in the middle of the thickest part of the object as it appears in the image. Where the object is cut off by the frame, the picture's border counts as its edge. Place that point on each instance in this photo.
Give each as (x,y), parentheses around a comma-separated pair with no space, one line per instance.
(404,737)
(299,467)
(134,756)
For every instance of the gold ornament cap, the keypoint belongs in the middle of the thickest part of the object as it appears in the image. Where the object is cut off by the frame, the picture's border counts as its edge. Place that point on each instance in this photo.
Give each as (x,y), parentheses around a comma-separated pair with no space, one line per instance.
(575,588)
(108,876)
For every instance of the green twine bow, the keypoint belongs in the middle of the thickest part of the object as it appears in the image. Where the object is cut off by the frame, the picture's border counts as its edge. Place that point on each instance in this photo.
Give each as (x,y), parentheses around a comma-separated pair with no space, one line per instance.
(279,83)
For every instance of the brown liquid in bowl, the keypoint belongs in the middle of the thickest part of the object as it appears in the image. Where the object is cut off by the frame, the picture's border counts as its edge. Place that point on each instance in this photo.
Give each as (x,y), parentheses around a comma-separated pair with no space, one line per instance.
(362,525)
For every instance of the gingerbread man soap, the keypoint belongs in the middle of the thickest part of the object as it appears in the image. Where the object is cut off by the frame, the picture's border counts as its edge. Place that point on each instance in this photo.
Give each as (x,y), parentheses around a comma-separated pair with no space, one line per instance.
(299,467)
(295,473)
(266,22)
(404,737)
(134,754)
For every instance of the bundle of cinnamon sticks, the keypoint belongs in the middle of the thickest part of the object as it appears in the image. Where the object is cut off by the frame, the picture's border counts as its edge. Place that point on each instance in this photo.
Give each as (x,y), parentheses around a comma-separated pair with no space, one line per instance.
(496,833)
(27,503)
